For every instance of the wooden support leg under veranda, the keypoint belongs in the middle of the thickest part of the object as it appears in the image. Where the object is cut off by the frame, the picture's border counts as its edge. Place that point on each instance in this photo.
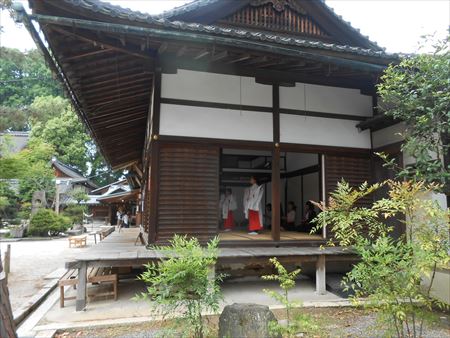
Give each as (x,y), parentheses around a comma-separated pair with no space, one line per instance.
(81,287)
(321,284)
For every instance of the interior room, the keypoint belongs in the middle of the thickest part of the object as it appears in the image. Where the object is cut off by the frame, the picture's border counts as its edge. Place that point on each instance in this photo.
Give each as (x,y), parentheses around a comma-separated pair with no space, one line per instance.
(299,182)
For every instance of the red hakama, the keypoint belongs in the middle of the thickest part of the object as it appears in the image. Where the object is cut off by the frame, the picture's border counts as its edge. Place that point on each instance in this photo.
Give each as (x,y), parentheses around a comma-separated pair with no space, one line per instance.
(254,224)
(229,221)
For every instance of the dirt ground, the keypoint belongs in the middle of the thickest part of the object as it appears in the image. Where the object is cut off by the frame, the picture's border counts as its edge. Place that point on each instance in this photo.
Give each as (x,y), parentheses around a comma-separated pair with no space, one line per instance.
(326,322)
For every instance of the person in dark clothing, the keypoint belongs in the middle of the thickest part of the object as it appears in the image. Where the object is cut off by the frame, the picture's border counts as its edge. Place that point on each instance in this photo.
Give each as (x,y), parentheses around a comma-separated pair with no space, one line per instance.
(310,214)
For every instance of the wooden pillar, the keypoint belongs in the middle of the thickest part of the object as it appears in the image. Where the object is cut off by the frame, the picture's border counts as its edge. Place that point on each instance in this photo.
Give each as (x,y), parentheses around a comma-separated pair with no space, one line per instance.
(81,287)
(321,283)
(276,163)
(154,154)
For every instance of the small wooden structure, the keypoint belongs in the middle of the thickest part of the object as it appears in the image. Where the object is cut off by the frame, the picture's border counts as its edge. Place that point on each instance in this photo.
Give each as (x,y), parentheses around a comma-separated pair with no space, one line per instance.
(77,241)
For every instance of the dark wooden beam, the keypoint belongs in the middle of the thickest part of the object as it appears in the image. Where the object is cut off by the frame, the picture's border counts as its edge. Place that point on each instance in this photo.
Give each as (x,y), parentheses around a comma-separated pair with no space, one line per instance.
(219,56)
(276,212)
(239,58)
(109,43)
(85,54)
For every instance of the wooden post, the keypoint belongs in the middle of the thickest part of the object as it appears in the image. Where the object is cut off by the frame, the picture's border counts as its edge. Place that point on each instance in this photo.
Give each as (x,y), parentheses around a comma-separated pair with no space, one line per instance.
(276,164)
(7,327)
(154,154)
(7,267)
(81,287)
(321,283)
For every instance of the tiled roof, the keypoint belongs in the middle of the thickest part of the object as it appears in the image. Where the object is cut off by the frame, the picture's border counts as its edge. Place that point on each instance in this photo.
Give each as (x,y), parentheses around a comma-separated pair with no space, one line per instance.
(124,13)
(186,8)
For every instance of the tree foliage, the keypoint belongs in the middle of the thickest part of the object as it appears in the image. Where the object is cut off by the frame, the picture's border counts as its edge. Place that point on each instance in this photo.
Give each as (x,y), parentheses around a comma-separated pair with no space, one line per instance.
(65,133)
(182,283)
(32,167)
(391,271)
(417,91)
(24,76)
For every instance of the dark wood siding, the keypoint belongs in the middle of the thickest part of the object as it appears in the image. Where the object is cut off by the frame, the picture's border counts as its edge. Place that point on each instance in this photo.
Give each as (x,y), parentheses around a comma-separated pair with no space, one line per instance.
(353,169)
(188,191)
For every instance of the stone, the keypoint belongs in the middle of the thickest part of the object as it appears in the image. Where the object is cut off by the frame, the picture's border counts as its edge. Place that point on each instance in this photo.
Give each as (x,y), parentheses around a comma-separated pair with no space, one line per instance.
(38,201)
(245,321)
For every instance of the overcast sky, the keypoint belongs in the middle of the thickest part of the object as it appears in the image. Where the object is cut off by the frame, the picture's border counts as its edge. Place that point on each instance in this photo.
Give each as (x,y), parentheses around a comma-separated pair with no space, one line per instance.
(396,25)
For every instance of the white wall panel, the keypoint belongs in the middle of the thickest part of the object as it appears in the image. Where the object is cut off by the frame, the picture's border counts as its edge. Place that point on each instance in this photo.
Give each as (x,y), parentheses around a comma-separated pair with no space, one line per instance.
(211,87)
(177,120)
(322,131)
(326,99)
(388,135)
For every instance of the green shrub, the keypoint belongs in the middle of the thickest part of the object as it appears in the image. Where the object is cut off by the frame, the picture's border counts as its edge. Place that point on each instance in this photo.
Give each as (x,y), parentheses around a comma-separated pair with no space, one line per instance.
(183,283)
(299,323)
(391,274)
(75,213)
(46,222)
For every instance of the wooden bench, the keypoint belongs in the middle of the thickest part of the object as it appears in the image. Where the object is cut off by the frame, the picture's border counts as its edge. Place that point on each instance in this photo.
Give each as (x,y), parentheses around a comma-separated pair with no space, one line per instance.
(104,275)
(70,278)
(105,232)
(77,241)
(95,276)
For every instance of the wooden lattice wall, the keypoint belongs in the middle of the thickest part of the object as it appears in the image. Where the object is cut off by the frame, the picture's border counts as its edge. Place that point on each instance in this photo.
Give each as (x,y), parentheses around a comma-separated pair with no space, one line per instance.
(283,18)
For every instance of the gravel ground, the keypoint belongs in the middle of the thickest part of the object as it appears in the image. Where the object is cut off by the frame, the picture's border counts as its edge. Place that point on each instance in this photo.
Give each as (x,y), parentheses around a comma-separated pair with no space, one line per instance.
(31,261)
(333,322)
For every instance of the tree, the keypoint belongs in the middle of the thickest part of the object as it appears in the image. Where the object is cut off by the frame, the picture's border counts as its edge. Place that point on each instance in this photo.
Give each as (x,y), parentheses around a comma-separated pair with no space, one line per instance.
(79,194)
(35,171)
(13,119)
(417,91)
(23,76)
(54,122)
(45,108)
(66,134)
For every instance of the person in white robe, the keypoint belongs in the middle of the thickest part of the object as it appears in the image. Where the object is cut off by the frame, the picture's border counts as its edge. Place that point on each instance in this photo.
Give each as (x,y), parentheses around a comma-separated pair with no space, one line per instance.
(228,207)
(254,207)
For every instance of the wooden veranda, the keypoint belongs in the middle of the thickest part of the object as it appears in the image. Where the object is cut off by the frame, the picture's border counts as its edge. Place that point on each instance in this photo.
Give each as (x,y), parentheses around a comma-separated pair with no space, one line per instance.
(121,250)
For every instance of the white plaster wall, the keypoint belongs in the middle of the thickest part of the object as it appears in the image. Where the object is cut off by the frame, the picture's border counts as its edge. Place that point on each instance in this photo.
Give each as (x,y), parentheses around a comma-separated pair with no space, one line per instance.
(322,131)
(326,99)
(177,120)
(211,87)
(388,135)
